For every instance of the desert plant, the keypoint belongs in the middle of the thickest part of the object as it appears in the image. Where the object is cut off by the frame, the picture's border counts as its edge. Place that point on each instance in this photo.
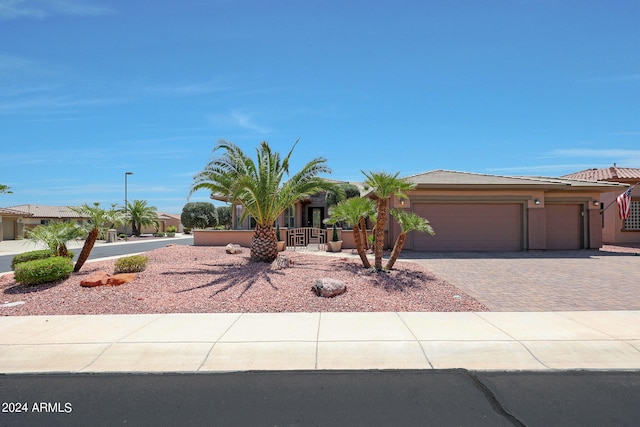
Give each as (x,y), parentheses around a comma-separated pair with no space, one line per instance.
(30,256)
(408,222)
(99,220)
(199,215)
(278,232)
(334,233)
(258,186)
(158,234)
(41,271)
(131,264)
(354,211)
(172,229)
(384,186)
(56,235)
(141,215)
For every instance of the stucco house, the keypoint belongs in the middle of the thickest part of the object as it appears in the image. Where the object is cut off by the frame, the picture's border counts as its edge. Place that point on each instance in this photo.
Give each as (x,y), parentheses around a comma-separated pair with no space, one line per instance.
(476,212)
(16,220)
(479,212)
(614,229)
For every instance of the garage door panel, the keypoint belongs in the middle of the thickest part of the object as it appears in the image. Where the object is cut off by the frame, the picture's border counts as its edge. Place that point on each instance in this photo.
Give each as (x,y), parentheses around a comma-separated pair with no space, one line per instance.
(564,226)
(471,227)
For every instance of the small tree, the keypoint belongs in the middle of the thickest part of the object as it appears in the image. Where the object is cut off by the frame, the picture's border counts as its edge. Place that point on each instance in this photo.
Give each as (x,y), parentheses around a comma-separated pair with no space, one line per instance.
(141,215)
(354,211)
(99,219)
(224,216)
(199,215)
(334,197)
(56,235)
(408,222)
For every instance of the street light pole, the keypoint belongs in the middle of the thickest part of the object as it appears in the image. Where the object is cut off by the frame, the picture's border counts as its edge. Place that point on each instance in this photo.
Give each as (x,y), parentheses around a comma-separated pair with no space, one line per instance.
(126,221)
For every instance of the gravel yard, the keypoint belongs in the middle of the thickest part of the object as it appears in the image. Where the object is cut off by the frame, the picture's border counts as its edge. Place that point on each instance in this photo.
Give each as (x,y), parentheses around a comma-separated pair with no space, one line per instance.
(196,279)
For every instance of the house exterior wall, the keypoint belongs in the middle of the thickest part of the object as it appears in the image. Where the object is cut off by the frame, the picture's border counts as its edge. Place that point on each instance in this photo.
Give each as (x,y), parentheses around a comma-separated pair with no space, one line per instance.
(535,227)
(614,231)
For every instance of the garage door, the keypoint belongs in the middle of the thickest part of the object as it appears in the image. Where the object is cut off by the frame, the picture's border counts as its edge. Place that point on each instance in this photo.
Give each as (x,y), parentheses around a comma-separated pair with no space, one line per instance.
(564,226)
(8,230)
(471,227)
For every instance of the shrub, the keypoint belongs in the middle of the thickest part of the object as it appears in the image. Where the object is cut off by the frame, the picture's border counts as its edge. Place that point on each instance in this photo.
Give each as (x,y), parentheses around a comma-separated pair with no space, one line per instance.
(158,234)
(30,256)
(41,271)
(172,229)
(131,264)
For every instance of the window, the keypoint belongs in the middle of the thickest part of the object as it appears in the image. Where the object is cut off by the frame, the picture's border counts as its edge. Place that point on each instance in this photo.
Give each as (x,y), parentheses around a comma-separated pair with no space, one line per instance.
(290,217)
(633,222)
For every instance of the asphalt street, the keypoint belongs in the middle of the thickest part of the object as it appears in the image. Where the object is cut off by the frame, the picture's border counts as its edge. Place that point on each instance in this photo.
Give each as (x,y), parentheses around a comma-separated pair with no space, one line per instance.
(112,249)
(324,398)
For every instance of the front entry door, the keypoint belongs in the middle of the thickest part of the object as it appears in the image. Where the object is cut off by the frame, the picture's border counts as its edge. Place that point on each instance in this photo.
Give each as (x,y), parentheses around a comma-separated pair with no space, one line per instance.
(315,217)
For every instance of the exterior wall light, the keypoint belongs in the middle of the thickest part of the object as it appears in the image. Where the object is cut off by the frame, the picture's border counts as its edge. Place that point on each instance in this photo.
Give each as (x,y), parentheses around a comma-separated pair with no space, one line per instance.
(536,201)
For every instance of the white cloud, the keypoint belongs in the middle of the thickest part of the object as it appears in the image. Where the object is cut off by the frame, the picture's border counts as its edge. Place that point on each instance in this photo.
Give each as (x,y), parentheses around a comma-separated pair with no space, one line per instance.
(15,9)
(239,119)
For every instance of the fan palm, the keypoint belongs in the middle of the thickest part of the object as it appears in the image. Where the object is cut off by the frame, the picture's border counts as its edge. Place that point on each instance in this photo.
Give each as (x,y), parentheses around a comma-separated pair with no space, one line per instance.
(56,235)
(384,186)
(258,186)
(408,222)
(98,219)
(354,211)
(141,215)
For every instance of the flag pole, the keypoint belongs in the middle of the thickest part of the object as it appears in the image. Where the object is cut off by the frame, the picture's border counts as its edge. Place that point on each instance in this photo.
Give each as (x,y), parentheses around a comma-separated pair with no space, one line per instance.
(614,200)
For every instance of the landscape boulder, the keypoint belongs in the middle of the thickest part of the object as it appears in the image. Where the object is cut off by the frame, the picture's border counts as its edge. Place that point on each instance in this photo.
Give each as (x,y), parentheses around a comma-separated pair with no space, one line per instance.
(232,248)
(119,279)
(326,287)
(97,279)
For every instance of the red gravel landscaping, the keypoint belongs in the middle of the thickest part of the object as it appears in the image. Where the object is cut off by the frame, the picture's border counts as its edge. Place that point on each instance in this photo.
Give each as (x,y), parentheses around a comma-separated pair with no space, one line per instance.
(196,279)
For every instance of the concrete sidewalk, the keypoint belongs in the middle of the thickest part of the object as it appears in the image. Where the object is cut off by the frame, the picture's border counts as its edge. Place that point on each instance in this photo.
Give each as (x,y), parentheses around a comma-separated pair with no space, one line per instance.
(317,341)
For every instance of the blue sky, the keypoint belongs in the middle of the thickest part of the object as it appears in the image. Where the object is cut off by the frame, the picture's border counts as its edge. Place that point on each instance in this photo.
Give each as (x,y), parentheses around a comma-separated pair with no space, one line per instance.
(90,89)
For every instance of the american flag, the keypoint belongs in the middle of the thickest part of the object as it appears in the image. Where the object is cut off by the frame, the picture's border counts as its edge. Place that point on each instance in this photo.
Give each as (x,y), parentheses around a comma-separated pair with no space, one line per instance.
(624,203)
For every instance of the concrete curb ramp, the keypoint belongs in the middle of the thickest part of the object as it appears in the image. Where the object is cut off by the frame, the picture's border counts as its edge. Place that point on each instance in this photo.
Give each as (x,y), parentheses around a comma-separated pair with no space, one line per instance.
(538,341)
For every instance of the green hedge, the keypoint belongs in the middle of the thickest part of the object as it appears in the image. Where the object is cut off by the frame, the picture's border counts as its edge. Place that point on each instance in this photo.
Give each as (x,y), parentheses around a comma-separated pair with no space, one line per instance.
(30,256)
(131,264)
(41,271)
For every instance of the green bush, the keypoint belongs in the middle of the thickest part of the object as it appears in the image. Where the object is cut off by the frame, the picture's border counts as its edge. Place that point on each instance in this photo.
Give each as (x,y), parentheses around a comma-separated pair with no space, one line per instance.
(158,234)
(41,271)
(30,256)
(131,264)
(172,229)
(33,255)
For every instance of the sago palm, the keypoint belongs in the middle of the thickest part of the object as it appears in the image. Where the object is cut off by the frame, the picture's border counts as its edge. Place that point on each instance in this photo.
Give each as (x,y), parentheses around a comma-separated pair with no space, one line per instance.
(354,211)
(141,215)
(260,188)
(98,219)
(384,186)
(408,222)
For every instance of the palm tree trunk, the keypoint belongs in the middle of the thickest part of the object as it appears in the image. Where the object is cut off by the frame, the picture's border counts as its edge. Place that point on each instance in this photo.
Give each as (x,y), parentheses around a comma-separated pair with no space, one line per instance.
(379,233)
(363,230)
(360,247)
(86,249)
(264,245)
(397,248)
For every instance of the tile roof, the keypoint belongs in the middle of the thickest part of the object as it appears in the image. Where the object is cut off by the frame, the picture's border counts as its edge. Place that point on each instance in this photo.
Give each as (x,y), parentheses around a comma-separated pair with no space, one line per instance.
(446,178)
(613,173)
(7,211)
(39,211)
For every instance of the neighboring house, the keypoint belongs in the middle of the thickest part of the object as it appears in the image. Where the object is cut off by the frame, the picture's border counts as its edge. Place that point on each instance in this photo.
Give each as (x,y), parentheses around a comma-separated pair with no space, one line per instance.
(477,212)
(17,220)
(614,229)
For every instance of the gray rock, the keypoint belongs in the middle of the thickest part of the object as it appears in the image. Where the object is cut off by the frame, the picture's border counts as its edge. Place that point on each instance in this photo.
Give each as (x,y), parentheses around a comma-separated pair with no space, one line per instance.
(326,287)
(232,248)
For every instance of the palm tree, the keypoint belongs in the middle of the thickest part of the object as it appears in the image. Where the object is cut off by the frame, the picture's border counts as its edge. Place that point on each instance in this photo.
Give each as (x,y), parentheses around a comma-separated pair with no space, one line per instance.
(258,187)
(98,219)
(141,215)
(408,222)
(56,235)
(384,186)
(354,211)
(5,189)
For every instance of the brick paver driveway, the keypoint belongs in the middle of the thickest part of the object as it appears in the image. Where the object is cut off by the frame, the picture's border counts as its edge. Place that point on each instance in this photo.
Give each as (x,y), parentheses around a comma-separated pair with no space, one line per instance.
(541,281)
